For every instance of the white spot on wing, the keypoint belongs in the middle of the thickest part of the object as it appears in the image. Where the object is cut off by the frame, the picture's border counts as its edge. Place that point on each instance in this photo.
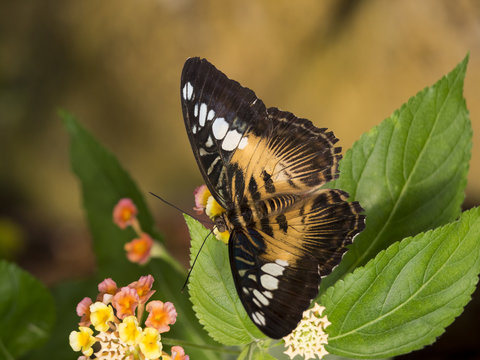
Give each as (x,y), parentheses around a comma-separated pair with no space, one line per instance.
(203,114)
(282,262)
(258,318)
(231,140)
(211,115)
(243,143)
(212,165)
(273,269)
(187,91)
(256,302)
(260,297)
(194,129)
(219,128)
(268,294)
(209,142)
(195,110)
(269,282)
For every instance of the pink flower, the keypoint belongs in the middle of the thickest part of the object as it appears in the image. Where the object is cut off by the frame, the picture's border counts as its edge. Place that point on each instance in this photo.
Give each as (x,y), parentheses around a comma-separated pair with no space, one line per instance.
(83,310)
(124,213)
(178,353)
(107,288)
(143,287)
(201,194)
(160,315)
(138,250)
(125,302)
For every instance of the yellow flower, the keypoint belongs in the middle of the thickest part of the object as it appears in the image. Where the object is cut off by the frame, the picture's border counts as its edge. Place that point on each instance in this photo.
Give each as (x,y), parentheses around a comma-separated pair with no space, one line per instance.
(150,344)
(129,331)
(100,315)
(222,236)
(308,338)
(213,208)
(82,340)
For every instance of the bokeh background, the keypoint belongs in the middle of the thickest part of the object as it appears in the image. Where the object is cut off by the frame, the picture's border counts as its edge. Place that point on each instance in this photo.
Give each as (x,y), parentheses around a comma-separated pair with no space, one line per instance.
(116,65)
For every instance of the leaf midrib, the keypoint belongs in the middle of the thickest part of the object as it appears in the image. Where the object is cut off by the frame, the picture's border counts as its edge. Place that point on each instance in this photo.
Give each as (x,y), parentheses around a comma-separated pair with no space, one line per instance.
(375,240)
(413,295)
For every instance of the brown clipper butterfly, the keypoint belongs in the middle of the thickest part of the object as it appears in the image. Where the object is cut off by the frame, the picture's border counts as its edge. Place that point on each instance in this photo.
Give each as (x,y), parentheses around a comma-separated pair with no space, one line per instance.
(265,167)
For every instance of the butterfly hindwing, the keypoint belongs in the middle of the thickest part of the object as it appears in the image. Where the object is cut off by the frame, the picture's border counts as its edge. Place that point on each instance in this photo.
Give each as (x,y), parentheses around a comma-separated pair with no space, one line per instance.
(265,167)
(271,290)
(277,266)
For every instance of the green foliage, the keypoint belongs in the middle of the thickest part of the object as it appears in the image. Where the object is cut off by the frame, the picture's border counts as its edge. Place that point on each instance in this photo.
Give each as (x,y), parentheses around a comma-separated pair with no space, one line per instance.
(405,297)
(104,182)
(27,312)
(409,173)
(213,292)
(397,289)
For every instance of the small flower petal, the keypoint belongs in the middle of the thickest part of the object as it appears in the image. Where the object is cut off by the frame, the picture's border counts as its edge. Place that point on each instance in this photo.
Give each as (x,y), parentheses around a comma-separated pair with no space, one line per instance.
(213,208)
(201,194)
(161,315)
(125,302)
(100,316)
(150,344)
(83,310)
(223,236)
(124,213)
(108,286)
(178,353)
(143,288)
(138,250)
(129,331)
(82,340)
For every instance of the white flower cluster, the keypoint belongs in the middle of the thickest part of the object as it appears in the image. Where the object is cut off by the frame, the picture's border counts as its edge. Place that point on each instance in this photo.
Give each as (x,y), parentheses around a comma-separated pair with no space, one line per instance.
(308,338)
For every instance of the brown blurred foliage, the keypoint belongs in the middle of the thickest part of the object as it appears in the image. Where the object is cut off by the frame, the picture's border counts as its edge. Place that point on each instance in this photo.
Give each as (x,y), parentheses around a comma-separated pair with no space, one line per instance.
(116,65)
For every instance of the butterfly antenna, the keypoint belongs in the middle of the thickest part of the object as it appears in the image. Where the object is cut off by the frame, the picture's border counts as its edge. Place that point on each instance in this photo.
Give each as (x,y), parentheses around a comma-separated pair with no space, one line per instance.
(195,260)
(177,208)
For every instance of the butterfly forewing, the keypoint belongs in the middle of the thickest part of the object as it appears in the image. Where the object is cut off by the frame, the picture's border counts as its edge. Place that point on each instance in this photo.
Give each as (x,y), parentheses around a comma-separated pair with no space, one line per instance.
(218,113)
(266,167)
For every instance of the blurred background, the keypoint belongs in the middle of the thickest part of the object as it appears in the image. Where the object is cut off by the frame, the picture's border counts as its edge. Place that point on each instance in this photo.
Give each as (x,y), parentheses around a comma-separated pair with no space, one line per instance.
(116,65)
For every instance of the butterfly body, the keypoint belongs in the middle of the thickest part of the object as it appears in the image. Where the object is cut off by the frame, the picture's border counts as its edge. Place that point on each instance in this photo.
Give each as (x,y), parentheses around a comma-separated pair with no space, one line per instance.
(265,167)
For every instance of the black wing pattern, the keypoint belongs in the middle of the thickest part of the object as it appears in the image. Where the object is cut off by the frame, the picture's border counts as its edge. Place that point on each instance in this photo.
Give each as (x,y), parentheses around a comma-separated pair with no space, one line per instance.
(266,168)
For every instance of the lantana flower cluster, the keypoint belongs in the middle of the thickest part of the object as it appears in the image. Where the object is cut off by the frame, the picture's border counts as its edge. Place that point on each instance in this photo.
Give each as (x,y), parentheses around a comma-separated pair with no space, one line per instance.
(142,248)
(204,202)
(116,317)
(309,337)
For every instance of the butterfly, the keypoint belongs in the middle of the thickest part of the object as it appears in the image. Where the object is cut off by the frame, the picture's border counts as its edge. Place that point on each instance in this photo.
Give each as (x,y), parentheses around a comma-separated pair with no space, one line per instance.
(266,168)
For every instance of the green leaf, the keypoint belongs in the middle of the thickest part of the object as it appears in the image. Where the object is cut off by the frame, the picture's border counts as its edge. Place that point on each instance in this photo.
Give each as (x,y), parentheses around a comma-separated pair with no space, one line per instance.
(260,351)
(104,182)
(26,311)
(404,298)
(212,291)
(66,296)
(409,173)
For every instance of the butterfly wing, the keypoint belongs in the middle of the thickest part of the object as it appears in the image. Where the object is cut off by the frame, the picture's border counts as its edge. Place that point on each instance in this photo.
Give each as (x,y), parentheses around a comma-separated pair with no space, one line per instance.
(265,167)
(278,276)
(218,113)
